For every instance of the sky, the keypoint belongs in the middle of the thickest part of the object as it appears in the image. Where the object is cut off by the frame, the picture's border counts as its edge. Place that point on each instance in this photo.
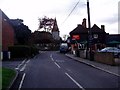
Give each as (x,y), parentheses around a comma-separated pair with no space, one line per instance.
(102,12)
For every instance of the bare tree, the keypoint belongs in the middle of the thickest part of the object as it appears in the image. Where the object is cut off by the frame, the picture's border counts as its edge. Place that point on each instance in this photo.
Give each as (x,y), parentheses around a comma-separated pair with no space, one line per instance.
(46,23)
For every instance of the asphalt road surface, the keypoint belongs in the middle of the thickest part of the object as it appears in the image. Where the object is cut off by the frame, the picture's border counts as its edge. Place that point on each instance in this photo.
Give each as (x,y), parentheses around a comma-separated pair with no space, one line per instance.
(51,69)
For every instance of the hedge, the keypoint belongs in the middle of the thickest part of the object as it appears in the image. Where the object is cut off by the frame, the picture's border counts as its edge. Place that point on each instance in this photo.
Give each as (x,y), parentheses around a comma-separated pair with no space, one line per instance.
(22,51)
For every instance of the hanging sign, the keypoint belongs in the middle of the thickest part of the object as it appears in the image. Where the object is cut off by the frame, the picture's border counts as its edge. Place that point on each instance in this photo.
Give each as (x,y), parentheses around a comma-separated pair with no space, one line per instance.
(76,37)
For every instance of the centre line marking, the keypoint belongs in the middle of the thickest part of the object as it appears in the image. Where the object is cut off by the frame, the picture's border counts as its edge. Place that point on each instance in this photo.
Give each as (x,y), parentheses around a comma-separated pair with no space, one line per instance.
(57,65)
(51,55)
(23,77)
(51,58)
(75,81)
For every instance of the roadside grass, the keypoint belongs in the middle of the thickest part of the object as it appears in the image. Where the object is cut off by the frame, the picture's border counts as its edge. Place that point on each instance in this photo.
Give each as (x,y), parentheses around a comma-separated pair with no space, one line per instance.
(7,77)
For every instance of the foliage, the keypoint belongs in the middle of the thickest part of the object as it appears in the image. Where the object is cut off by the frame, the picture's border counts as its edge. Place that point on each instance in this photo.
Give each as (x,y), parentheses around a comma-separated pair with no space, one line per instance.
(46,23)
(22,32)
(22,51)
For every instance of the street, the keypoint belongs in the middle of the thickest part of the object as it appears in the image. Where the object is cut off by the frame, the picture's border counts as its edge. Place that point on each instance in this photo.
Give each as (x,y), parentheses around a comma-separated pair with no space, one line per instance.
(51,69)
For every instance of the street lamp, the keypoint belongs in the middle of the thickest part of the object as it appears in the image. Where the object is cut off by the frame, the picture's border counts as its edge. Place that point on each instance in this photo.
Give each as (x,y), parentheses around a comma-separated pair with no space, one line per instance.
(89,31)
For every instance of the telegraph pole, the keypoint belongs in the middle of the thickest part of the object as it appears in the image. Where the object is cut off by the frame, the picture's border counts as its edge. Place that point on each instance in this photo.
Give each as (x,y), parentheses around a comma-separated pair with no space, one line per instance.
(89,31)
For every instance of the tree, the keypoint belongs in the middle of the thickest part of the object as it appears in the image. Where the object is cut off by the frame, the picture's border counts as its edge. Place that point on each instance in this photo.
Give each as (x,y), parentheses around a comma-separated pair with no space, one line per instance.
(46,23)
(22,32)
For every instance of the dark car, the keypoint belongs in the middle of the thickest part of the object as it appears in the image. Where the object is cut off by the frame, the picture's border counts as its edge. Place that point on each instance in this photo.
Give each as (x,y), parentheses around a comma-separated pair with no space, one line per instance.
(113,50)
(63,48)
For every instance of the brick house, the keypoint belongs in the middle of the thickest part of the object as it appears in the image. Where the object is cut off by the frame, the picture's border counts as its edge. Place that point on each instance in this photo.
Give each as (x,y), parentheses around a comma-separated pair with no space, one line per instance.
(7,33)
(80,35)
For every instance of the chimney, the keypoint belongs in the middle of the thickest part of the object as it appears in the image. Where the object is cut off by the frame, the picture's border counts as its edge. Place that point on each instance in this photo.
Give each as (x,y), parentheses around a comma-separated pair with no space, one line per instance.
(103,27)
(84,23)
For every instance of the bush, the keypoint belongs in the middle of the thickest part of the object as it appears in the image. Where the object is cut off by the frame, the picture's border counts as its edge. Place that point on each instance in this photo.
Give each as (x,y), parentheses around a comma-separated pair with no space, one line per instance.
(22,51)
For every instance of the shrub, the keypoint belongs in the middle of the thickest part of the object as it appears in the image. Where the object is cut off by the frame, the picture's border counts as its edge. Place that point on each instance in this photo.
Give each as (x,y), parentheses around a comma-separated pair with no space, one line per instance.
(22,51)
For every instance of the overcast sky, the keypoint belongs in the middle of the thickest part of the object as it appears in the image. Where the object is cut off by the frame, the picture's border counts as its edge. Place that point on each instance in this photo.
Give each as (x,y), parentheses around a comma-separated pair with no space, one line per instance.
(102,12)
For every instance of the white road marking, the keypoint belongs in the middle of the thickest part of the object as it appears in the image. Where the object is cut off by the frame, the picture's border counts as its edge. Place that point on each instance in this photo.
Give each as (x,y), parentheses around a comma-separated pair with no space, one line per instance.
(23,68)
(75,81)
(54,62)
(69,70)
(23,77)
(28,61)
(57,65)
(51,55)
(60,61)
(20,65)
(42,51)
(23,61)
(51,58)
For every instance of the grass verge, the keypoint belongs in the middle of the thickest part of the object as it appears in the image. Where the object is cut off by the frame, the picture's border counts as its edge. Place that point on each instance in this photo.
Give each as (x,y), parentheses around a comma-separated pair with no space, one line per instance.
(7,77)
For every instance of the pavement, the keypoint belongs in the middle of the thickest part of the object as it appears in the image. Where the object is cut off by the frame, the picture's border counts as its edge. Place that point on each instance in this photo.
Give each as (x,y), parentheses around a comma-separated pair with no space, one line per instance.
(115,70)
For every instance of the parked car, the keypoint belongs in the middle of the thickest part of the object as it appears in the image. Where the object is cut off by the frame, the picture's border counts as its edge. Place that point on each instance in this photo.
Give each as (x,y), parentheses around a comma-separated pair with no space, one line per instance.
(113,50)
(63,48)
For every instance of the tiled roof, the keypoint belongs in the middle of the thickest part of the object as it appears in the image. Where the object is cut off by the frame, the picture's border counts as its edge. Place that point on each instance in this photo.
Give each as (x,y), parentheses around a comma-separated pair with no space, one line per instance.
(96,29)
(55,26)
(80,29)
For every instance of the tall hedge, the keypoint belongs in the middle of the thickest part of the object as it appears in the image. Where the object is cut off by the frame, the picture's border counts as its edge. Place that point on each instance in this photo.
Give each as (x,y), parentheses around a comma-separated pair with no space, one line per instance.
(22,51)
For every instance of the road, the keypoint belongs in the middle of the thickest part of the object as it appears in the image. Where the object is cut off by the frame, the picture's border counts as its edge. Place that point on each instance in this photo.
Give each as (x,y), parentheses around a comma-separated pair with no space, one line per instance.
(51,69)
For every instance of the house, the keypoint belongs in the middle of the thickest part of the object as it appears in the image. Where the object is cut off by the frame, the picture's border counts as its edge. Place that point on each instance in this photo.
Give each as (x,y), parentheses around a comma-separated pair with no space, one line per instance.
(7,33)
(80,35)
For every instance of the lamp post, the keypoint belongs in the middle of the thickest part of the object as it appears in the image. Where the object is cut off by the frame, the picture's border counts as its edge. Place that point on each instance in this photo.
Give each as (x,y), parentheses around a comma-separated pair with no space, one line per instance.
(89,31)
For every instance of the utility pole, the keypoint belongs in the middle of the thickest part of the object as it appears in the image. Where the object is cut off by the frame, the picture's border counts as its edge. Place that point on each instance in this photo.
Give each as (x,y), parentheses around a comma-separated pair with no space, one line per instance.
(89,31)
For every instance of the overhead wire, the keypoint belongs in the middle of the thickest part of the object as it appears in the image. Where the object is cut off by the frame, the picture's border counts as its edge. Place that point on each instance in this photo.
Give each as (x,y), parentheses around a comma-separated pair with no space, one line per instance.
(71,12)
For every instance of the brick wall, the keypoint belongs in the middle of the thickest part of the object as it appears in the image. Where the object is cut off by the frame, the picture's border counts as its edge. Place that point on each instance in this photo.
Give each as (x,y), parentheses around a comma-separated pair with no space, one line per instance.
(104,57)
(7,35)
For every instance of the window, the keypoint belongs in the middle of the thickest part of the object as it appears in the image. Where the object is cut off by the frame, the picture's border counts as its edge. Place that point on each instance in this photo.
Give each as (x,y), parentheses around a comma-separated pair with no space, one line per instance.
(95,36)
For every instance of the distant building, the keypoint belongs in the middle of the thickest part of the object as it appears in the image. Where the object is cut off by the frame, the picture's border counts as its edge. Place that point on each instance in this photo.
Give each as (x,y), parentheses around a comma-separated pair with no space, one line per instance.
(55,31)
(80,35)
(50,25)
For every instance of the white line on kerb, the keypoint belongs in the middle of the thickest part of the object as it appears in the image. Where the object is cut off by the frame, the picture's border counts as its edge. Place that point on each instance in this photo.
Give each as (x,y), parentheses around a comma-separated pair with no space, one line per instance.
(23,68)
(23,77)
(23,61)
(20,65)
(57,65)
(75,81)
(28,61)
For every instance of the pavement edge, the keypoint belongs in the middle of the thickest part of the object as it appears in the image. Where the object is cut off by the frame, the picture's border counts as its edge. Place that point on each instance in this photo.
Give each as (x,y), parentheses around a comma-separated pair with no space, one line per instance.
(93,65)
